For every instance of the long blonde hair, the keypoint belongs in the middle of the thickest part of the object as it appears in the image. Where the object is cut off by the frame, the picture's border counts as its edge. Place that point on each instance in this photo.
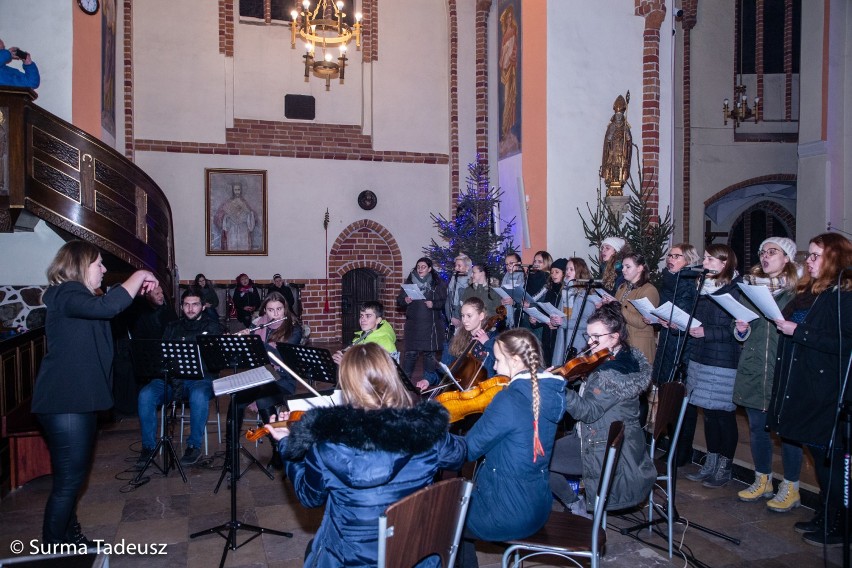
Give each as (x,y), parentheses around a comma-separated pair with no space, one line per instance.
(71,263)
(369,379)
(521,343)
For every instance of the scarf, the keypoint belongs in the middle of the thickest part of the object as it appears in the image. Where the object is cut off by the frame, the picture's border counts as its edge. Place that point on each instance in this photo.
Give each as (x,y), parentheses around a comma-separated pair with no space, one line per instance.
(776,284)
(423,284)
(712,285)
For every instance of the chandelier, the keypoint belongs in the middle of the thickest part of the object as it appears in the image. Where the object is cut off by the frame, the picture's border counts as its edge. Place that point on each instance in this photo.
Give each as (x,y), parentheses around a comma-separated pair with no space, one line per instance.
(740,112)
(324,29)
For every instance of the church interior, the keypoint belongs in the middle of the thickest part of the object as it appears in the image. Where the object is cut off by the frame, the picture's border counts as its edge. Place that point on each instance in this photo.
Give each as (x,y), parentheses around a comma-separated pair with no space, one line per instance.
(209,137)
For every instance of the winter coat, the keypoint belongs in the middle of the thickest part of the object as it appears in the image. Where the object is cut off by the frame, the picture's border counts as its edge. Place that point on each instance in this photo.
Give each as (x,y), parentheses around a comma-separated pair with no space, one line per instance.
(511,281)
(511,498)
(639,333)
(756,371)
(383,335)
(358,462)
(611,394)
(424,326)
(455,289)
(717,348)
(805,392)
(11,77)
(681,292)
(553,340)
(575,300)
(76,373)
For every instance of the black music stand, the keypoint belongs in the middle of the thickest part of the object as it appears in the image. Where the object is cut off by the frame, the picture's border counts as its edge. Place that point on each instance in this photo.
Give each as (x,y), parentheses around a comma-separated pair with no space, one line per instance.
(570,350)
(236,351)
(311,363)
(169,360)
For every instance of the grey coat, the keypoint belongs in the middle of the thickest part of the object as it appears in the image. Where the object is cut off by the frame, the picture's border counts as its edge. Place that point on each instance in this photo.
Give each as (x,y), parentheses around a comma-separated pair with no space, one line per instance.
(610,394)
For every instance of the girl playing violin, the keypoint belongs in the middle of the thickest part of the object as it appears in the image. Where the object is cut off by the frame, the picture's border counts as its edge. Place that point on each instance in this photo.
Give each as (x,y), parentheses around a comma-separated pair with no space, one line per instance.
(359,458)
(472,318)
(610,393)
(515,435)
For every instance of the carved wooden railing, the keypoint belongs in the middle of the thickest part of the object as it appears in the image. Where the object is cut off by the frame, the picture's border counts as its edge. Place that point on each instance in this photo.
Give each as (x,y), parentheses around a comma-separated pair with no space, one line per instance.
(75,182)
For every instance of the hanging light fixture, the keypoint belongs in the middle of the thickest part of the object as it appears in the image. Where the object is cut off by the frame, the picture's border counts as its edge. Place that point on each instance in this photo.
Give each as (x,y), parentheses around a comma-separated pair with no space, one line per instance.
(740,112)
(324,29)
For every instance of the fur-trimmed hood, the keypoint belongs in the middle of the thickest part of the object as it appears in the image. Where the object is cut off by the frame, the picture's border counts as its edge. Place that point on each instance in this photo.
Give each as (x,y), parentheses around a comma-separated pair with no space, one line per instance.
(627,376)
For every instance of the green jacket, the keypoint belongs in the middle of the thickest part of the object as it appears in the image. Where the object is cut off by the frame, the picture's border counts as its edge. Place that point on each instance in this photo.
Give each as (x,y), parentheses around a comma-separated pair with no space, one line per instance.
(756,369)
(382,335)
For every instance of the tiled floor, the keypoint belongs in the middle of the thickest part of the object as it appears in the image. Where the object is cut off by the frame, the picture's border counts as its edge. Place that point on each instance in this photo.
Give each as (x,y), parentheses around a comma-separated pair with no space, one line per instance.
(165,511)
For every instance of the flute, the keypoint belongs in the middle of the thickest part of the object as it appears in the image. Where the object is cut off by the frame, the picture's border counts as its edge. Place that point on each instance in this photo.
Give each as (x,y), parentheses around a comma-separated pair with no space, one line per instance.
(261,326)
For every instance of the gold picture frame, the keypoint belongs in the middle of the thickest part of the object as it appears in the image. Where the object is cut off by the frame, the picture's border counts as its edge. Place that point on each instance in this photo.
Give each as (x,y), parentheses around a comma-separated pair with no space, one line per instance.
(235,205)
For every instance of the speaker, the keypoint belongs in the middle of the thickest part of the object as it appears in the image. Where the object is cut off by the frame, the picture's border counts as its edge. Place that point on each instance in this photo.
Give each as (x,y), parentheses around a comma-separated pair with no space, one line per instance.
(301,107)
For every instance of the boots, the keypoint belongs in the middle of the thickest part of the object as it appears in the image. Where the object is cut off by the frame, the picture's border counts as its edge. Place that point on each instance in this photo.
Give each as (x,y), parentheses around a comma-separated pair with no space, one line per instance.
(722,475)
(760,489)
(786,499)
(710,461)
(815,524)
(831,538)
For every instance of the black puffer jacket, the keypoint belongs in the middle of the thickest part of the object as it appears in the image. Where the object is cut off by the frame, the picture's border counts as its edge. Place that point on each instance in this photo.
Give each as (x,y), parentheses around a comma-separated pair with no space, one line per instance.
(718,347)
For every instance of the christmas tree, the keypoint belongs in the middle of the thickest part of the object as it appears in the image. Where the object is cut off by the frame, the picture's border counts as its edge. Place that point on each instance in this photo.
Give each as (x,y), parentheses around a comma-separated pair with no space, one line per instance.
(472,230)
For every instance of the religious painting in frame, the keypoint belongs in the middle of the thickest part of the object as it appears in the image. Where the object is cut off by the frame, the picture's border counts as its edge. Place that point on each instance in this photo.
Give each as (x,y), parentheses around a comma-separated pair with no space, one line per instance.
(509,85)
(235,204)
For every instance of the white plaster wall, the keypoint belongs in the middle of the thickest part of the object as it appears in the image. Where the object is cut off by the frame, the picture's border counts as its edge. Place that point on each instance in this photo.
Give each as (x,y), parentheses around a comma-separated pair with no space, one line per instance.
(297,200)
(466,15)
(595,52)
(44,29)
(26,256)
(411,78)
(179,74)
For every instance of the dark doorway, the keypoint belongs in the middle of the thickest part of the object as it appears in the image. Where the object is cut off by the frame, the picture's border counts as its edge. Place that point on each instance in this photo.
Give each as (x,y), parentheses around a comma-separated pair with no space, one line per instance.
(758,224)
(359,285)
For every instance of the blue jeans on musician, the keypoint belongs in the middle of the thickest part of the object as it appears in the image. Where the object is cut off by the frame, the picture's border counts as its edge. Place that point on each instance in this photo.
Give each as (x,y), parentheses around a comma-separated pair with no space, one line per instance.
(761,448)
(198,393)
(70,440)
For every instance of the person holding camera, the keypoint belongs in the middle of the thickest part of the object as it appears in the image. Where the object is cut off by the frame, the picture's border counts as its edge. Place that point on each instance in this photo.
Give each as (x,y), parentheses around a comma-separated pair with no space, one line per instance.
(11,77)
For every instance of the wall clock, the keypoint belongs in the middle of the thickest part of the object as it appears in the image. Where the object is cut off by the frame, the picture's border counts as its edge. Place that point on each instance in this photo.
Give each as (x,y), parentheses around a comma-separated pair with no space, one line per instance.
(367,200)
(90,7)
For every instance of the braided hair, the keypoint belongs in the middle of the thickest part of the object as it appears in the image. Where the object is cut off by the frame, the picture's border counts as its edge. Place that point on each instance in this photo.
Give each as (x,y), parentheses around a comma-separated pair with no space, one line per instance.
(521,343)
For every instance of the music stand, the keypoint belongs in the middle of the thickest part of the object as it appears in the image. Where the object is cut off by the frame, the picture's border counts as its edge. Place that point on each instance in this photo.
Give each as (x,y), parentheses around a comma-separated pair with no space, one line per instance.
(311,363)
(570,350)
(169,360)
(246,351)
(235,352)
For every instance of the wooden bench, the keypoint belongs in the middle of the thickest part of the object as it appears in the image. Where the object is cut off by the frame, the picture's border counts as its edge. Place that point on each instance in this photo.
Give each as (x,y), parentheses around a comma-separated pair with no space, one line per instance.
(28,454)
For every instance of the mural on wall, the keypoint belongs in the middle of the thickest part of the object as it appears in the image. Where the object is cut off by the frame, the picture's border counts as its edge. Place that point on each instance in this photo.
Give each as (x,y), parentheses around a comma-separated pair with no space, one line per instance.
(236,212)
(108,67)
(509,88)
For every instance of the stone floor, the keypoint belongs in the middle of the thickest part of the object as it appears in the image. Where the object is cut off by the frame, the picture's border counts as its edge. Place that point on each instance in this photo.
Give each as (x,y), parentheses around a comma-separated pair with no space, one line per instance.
(165,511)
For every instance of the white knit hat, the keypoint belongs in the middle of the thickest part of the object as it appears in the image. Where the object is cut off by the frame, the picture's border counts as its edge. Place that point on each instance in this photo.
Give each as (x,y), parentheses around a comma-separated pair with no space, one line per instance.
(785,244)
(615,242)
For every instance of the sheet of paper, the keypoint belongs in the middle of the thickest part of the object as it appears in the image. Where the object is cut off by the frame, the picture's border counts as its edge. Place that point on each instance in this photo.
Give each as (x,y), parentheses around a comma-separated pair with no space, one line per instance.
(733,307)
(604,294)
(335,399)
(551,310)
(517,294)
(674,314)
(762,298)
(413,292)
(501,292)
(536,313)
(644,306)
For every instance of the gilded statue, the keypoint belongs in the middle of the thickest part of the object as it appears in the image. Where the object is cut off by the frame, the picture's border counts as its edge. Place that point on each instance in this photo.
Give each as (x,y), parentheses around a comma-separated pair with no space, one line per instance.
(617,149)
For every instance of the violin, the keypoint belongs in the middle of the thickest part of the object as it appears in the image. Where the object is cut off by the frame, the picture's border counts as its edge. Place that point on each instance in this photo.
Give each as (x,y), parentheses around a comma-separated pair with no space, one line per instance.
(467,369)
(474,400)
(255,434)
(581,366)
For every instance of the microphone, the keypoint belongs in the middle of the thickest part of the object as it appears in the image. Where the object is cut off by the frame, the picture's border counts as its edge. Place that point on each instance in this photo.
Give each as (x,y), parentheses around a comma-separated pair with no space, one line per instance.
(695,271)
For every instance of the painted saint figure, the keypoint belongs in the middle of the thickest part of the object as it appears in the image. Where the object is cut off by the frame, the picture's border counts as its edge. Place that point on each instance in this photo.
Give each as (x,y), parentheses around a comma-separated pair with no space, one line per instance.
(236,219)
(508,69)
(617,148)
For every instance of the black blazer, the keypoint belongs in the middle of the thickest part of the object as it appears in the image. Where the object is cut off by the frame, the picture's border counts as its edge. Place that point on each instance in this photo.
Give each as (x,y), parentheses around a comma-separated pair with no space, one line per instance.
(76,374)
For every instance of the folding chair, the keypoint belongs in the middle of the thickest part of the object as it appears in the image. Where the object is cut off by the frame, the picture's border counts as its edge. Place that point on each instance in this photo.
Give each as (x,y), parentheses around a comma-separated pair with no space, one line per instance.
(429,521)
(568,535)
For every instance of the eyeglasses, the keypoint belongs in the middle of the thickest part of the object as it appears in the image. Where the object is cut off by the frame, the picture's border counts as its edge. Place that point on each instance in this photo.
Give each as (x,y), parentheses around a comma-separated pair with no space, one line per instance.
(674,256)
(813,256)
(596,336)
(768,252)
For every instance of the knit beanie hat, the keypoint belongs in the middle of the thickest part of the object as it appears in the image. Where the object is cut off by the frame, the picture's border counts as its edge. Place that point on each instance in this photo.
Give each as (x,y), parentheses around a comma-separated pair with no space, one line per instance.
(560,263)
(615,242)
(785,244)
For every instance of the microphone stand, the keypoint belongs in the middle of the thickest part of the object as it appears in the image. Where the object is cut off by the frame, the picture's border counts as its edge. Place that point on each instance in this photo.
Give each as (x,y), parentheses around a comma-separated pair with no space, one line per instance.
(680,376)
(570,350)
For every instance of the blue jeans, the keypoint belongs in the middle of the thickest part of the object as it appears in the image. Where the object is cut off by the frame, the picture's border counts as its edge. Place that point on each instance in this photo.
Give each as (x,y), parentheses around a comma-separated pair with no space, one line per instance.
(70,440)
(199,394)
(761,448)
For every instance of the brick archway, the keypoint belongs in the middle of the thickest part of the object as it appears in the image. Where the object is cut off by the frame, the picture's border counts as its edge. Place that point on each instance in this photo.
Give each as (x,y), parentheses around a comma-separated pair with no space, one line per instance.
(363,244)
